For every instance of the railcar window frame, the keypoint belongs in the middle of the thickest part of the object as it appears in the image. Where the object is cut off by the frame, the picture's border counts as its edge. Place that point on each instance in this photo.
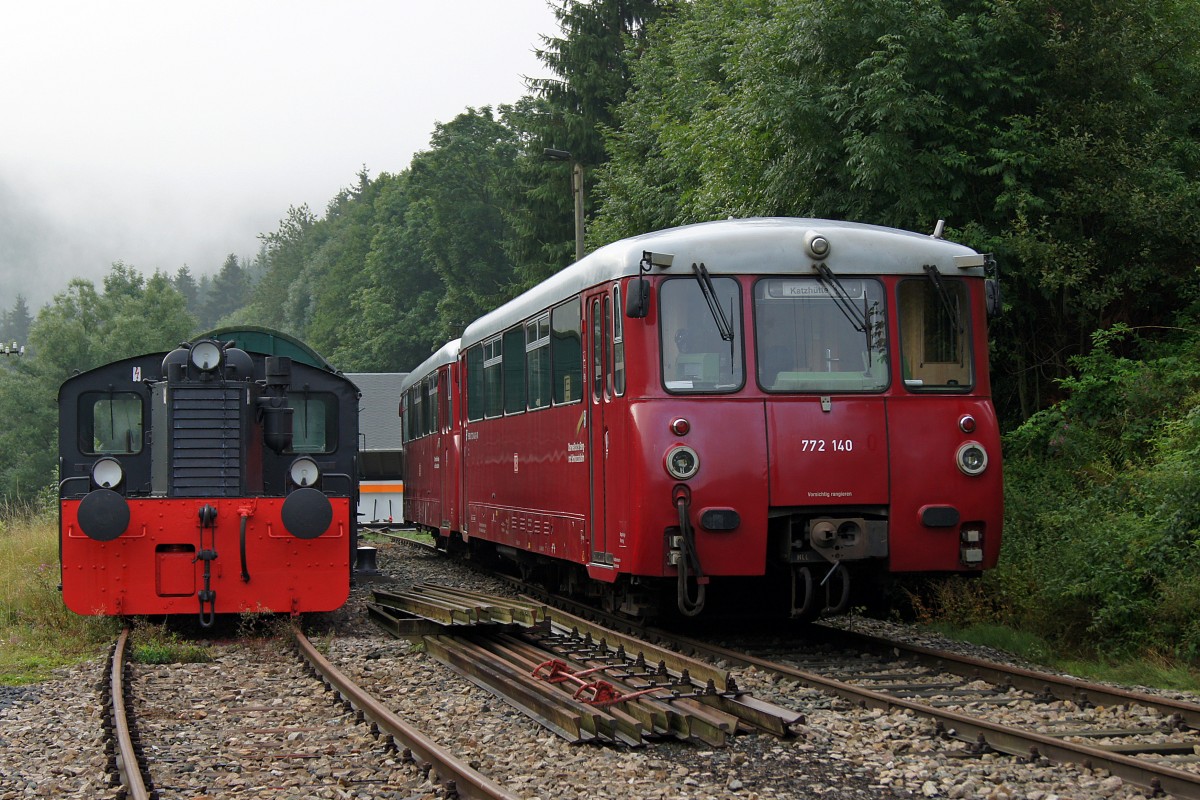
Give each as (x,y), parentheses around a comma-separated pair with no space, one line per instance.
(537,362)
(929,334)
(675,338)
(493,377)
(475,390)
(567,338)
(835,357)
(513,370)
(618,343)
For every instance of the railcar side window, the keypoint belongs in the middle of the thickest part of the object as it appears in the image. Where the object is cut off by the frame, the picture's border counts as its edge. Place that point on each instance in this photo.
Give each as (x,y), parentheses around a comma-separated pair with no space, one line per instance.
(314,422)
(618,354)
(110,422)
(475,383)
(493,378)
(694,356)
(812,336)
(431,404)
(537,361)
(514,370)
(935,338)
(566,352)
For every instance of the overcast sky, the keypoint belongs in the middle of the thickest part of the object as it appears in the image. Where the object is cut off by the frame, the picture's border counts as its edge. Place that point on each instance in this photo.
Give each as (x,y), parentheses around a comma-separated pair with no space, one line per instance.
(169,132)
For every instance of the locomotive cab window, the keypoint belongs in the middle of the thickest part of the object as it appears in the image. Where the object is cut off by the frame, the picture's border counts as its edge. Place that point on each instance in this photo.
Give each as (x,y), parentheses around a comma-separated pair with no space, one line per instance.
(314,422)
(694,356)
(110,423)
(935,339)
(816,336)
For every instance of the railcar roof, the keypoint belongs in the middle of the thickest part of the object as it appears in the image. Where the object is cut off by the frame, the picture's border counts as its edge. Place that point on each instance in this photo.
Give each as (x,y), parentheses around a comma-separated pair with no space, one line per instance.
(763,245)
(448,354)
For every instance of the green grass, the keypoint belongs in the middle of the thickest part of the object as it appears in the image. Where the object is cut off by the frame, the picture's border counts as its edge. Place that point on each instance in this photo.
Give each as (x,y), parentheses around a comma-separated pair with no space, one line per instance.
(156,644)
(37,633)
(1147,670)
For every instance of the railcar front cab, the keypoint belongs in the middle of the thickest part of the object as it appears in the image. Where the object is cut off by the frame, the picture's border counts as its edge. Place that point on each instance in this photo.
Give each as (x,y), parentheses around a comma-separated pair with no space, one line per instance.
(214,432)
(826,335)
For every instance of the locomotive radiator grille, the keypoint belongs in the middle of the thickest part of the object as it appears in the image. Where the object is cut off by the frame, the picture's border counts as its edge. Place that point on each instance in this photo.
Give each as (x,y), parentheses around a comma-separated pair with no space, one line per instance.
(206,442)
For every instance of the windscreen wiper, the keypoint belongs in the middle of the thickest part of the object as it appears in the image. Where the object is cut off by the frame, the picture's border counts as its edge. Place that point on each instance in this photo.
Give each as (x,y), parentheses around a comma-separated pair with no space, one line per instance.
(840,296)
(710,296)
(948,304)
(859,318)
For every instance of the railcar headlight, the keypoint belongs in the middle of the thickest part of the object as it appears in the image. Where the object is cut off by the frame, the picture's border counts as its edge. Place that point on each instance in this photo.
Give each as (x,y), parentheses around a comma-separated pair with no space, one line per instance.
(682,462)
(304,471)
(206,356)
(107,473)
(972,458)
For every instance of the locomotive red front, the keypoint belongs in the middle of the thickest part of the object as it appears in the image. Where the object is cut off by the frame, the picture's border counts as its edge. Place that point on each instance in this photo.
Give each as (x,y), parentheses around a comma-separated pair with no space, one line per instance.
(207,480)
(777,411)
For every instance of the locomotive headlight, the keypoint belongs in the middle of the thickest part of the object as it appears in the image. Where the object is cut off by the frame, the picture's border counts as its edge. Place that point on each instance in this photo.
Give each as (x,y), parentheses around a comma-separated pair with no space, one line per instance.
(972,458)
(206,356)
(682,462)
(107,473)
(304,471)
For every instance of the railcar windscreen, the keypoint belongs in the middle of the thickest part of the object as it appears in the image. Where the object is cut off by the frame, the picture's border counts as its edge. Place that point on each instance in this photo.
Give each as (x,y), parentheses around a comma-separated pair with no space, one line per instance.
(694,356)
(935,336)
(814,336)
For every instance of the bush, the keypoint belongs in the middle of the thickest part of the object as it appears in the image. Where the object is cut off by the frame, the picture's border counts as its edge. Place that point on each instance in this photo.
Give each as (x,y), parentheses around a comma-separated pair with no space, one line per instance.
(1103,508)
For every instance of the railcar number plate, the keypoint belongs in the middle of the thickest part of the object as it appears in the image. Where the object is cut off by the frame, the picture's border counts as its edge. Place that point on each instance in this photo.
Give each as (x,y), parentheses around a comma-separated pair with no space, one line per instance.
(827,445)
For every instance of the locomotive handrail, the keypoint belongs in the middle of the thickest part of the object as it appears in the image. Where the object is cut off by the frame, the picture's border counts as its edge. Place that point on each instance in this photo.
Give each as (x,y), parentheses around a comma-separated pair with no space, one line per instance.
(62,484)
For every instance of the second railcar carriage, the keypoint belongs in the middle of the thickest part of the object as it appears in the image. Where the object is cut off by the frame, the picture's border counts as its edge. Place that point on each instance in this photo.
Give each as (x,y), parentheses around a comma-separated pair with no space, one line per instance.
(778,411)
(209,479)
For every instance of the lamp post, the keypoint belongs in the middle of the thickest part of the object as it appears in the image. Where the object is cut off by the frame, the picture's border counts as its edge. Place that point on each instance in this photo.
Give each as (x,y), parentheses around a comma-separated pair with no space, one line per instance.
(12,349)
(576,191)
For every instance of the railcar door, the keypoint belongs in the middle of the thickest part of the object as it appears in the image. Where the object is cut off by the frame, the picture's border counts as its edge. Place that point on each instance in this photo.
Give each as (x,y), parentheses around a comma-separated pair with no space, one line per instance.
(444,465)
(599,318)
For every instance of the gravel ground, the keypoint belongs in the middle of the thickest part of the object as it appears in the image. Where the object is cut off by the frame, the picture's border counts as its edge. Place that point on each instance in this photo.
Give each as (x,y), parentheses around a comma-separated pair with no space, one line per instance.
(51,741)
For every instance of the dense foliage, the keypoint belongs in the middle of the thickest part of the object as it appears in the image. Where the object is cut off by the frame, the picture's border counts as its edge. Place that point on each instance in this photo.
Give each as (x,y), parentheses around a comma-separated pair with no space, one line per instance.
(1103,505)
(1062,135)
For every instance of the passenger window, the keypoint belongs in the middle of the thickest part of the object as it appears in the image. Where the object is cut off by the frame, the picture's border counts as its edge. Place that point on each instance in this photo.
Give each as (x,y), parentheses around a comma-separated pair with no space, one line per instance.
(475,402)
(514,370)
(537,361)
(493,378)
(566,352)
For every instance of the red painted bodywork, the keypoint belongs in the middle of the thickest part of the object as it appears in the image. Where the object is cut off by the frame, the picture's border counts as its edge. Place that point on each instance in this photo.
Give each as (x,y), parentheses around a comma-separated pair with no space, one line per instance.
(433,483)
(152,567)
(586,482)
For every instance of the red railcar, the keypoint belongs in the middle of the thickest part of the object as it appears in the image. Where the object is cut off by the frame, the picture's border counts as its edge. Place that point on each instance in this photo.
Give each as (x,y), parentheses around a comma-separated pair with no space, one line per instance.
(778,411)
(208,480)
(432,433)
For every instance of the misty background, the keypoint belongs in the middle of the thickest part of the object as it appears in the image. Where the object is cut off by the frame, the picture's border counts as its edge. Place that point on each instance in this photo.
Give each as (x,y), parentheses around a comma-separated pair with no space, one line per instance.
(169,134)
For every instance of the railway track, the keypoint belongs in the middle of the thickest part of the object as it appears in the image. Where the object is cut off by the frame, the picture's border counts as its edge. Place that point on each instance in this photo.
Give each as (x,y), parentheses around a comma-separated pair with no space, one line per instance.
(161,745)
(125,765)
(584,682)
(1146,740)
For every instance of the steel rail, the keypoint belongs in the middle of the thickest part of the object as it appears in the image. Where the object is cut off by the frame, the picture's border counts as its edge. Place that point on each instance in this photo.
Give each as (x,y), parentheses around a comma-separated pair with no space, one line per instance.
(127,761)
(1059,686)
(1013,741)
(467,782)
